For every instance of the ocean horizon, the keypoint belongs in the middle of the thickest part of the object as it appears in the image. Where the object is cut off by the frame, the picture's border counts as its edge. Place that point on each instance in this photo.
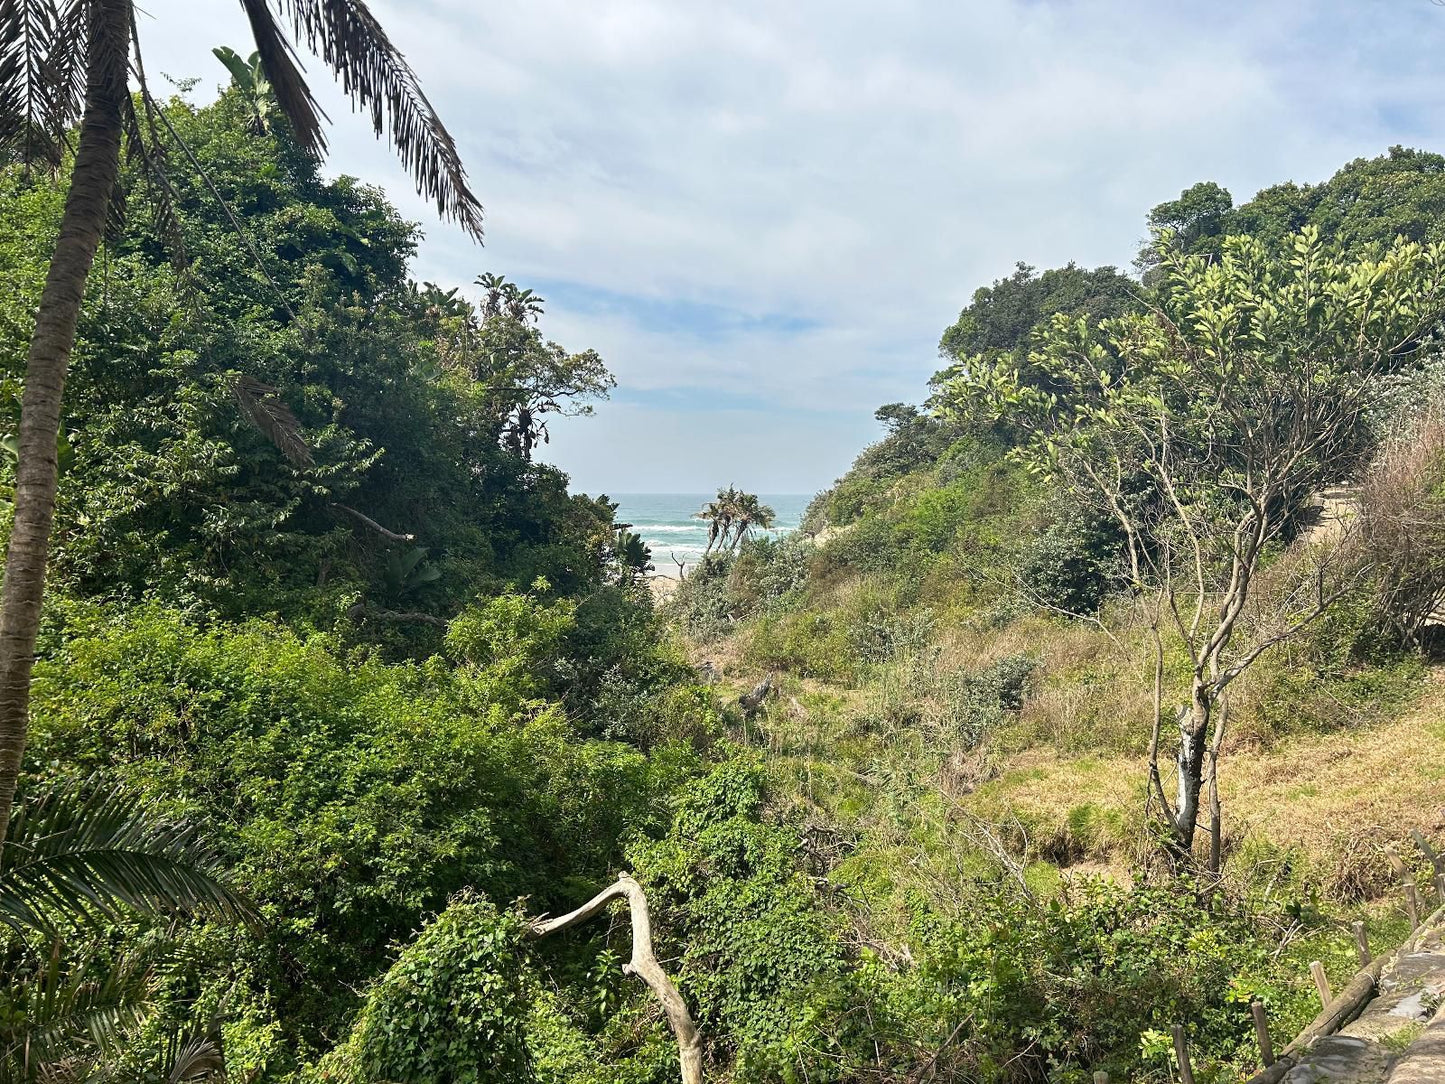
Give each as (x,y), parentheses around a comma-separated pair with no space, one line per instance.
(669,527)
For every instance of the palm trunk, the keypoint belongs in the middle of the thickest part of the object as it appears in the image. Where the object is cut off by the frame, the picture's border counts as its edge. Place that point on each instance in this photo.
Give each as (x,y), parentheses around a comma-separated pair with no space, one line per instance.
(97,163)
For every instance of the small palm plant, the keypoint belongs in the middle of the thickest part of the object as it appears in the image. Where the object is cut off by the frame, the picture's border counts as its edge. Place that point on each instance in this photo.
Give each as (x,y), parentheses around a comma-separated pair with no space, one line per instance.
(78,861)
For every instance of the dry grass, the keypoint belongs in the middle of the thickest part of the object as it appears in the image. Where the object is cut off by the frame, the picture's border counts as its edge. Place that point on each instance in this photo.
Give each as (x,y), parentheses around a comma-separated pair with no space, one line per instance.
(1339,798)
(1334,799)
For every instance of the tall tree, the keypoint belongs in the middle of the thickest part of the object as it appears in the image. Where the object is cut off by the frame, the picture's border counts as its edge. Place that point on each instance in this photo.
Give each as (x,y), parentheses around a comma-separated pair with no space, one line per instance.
(1001,317)
(63,60)
(1196,223)
(1198,425)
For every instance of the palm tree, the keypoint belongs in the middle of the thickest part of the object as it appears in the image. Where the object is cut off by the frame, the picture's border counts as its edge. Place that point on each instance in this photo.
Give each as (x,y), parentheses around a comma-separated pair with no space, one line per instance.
(719,516)
(751,513)
(63,60)
(503,298)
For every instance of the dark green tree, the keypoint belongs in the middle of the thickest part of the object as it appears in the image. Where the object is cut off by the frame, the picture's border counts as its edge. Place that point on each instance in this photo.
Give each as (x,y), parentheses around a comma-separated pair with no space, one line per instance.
(1002,316)
(68,61)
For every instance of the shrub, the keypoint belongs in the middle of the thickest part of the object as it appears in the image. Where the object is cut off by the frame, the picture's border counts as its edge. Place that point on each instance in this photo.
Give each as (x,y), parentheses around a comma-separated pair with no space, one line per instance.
(1402,524)
(809,644)
(351,796)
(726,588)
(761,959)
(1055,991)
(1073,562)
(452,1009)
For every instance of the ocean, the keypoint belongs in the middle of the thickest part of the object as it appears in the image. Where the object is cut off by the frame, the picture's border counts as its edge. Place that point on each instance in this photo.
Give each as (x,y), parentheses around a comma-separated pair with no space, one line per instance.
(665,521)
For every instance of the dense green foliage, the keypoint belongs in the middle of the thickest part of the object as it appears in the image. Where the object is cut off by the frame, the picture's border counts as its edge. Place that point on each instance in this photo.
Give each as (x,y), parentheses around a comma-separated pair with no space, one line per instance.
(314,597)
(317,602)
(173,491)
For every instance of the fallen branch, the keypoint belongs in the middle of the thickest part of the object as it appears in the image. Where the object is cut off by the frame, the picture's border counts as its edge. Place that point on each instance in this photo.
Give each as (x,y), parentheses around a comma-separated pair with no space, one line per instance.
(367,521)
(752,701)
(643,964)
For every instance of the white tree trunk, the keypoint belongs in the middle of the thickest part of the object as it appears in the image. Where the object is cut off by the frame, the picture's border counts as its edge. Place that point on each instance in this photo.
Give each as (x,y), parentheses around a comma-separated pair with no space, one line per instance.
(643,964)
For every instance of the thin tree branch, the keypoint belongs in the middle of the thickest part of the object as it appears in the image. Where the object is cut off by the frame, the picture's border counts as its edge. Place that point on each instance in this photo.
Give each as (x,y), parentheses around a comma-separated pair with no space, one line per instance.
(367,521)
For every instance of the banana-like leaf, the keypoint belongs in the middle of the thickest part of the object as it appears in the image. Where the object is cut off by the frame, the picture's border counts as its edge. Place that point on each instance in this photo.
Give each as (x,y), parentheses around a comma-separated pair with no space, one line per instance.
(241,72)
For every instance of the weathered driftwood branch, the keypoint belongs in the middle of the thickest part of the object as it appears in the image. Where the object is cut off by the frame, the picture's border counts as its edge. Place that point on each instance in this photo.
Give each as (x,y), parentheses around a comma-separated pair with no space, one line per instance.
(752,701)
(643,964)
(367,521)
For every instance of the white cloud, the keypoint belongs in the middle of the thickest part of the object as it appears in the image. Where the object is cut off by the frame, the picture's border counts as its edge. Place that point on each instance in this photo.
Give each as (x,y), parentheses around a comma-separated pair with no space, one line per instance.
(861,166)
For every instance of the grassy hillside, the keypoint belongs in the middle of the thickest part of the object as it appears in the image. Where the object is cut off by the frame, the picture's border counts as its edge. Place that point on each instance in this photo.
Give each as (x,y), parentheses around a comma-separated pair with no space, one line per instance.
(964,702)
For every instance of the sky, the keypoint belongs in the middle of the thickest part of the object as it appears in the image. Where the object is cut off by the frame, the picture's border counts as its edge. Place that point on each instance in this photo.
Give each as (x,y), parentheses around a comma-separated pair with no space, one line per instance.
(764,214)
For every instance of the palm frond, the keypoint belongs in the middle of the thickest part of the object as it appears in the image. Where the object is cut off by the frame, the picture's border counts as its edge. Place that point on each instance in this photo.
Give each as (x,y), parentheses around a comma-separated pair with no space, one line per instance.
(43,47)
(146,147)
(241,74)
(191,1057)
(64,71)
(268,413)
(278,61)
(77,856)
(70,1010)
(74,1012)
(377,78)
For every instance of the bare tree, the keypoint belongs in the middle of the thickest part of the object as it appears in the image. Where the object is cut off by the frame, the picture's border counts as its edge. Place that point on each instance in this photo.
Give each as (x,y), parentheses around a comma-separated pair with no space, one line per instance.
(644,965)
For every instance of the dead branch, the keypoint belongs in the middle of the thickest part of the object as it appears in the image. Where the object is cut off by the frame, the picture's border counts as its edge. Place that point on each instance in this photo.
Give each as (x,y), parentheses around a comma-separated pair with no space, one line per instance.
(643,964)
(751,702)
(367,521)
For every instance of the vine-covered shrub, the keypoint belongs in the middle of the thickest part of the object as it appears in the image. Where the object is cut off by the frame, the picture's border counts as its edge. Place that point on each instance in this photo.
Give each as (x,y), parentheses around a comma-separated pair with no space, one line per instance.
(350,796)
(762,959)
(451,1010)
(1074,562)
(762,577)
(1023,990)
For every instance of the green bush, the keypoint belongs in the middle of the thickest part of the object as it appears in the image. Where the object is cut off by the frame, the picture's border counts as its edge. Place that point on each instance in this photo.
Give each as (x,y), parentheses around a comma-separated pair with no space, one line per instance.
(806,643)
(452,1009)
(1052,991)
(351,796)
(725,588)
(762,959)
(1074,562)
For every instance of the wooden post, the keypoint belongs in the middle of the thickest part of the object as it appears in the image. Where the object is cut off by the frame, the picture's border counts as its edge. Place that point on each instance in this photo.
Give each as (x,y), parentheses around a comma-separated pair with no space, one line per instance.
(1181,1051)
(1362,944)
(1101,1077)
(1412,903)
(1431,855)
(1322,982)
(1396,862)
(1440,886)
(1261,1034)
